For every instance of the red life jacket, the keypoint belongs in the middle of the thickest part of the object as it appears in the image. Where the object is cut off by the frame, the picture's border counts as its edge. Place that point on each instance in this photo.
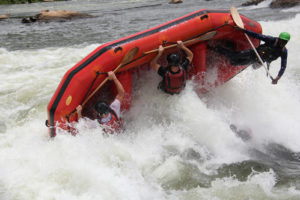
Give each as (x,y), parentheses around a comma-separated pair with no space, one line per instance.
(115,123)
(174,83)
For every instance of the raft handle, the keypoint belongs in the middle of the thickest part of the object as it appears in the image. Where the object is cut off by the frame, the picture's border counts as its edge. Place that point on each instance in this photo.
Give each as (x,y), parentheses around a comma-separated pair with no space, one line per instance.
(46,123)
(118,49)
(203,17)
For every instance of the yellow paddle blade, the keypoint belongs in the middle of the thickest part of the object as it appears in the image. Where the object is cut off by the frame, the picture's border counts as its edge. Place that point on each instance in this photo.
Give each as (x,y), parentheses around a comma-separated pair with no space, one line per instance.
(130,55)
(208,35)
(236,17)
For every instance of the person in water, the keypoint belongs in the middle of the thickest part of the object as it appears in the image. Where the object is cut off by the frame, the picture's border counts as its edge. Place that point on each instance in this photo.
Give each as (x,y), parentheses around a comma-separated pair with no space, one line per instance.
(273,48)
(109,115)
(244,134)
(175,74)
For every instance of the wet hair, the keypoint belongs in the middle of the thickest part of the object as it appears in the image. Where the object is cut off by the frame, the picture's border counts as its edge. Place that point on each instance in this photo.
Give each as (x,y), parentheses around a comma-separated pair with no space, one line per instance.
(102,107)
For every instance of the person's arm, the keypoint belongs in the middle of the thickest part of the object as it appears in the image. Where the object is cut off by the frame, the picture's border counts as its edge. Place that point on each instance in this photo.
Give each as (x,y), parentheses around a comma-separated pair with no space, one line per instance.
(282,68)
(121,91)
(116,106)
(265,38)
(154,63)
(189,53)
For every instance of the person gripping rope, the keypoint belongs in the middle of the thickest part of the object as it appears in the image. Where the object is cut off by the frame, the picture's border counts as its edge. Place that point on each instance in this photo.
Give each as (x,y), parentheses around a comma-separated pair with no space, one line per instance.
(109,115)
(175,74)
(273,48)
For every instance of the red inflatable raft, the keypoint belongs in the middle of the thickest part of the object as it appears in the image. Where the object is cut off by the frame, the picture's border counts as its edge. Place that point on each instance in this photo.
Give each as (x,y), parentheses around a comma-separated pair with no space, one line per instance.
(210,69)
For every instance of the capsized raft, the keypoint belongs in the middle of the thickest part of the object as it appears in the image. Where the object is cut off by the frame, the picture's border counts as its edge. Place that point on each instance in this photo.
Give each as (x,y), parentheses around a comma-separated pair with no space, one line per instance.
(210,69)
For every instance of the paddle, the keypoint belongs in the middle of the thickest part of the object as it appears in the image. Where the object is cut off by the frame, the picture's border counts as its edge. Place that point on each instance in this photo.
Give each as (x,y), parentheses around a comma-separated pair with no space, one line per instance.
(204,37)
(127,58)
(238,21)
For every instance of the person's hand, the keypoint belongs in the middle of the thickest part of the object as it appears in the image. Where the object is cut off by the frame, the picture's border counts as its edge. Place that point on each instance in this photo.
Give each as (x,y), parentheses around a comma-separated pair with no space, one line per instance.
(275,80)
(111,75)
(160,49)
(79,109)
(239,28)
(180,44)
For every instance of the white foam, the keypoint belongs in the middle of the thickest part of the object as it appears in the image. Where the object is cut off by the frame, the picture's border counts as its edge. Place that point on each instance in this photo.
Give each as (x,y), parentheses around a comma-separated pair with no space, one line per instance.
(165,138)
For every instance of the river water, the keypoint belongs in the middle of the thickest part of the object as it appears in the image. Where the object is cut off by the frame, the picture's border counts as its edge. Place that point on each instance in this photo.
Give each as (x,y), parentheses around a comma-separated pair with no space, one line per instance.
(174,147)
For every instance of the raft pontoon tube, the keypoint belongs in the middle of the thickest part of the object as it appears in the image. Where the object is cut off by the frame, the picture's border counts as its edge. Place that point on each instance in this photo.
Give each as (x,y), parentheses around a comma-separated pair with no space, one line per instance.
(210,69)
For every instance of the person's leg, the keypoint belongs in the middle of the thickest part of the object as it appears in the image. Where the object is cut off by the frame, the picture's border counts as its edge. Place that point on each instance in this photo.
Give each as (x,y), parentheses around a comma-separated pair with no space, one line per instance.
(224,51)
(245,57)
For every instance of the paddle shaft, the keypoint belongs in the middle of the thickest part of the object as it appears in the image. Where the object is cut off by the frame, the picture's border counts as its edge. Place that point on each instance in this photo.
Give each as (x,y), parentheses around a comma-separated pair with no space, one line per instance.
(258,56)
(127,58)
(206,36)
(103,82)
(238,21)
(92,94)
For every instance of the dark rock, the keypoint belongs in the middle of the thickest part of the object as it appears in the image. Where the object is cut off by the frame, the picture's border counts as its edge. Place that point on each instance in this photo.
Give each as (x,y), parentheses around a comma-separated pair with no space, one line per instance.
(175,1)
(3,16)
(284,3)
(47,15)
(275,3)
(252,2)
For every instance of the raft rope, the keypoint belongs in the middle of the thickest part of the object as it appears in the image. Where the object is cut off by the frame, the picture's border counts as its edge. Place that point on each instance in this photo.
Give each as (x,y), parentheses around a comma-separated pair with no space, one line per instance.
(165,42)
(195,36)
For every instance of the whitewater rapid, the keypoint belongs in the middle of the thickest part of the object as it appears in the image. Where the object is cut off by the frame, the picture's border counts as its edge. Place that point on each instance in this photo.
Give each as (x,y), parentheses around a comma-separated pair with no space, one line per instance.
(173,146)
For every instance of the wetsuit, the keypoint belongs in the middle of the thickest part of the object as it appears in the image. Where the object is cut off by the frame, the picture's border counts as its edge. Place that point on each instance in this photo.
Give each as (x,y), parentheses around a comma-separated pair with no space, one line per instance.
(269,51)
(167,75)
